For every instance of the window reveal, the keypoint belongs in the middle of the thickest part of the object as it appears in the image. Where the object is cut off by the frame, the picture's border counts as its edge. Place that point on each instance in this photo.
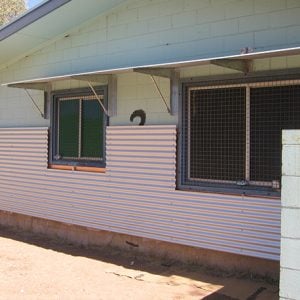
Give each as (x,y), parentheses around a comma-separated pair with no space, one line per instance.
(78,130)
(233,134)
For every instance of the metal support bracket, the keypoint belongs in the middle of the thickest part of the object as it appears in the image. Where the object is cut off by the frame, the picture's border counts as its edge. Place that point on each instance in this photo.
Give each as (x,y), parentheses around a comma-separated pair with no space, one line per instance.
(160,93)
(174,77)
(103,79)
(99,78)
(241,65)
(159,72)
(34,103)
(98,98)
(41,86)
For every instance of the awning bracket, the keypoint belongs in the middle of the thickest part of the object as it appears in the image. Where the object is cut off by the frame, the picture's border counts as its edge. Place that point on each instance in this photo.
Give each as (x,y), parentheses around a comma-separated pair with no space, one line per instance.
(160,93)
(160,72)
(241,65)
(98,98)
(96,78)
(34,103)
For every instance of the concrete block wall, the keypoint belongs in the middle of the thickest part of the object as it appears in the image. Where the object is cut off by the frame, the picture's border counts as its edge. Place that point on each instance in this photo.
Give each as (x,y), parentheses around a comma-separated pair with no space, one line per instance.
(146,32)
(153,31)
(137,91)
(290,217)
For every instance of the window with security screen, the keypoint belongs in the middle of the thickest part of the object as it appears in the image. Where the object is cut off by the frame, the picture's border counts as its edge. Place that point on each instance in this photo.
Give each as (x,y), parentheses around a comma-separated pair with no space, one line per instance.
(217,134)
(232,134)
(78,129)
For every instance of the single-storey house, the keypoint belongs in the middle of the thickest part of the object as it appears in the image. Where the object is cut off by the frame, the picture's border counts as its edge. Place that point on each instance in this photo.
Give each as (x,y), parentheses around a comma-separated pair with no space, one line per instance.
(151,123)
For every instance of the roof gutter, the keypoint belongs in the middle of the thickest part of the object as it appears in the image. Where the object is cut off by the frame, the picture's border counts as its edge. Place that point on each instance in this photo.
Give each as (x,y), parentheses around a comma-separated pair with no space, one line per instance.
(30,17)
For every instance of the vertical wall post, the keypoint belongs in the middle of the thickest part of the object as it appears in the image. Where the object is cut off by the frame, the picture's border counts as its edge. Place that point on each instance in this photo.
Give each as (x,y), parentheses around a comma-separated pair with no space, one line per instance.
(174,92)
(290,216)
(112,95)
(47,101)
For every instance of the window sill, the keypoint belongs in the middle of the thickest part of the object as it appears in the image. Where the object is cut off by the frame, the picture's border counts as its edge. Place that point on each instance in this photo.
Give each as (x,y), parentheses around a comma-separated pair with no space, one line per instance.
(77,168)
(234,191)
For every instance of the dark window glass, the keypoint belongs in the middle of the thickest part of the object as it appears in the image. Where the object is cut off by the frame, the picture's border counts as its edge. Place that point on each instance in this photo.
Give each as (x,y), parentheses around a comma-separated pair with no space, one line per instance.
(68,128)
(217,134)
(79,129)
(92,129)
(272,110)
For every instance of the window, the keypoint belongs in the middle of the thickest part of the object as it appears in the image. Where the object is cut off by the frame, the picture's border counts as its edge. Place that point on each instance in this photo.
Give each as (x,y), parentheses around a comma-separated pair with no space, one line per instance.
(78,128)
(231,138)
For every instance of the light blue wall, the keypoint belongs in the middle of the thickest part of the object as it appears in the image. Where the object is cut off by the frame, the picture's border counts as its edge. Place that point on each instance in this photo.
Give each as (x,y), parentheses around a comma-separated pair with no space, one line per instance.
(154,31)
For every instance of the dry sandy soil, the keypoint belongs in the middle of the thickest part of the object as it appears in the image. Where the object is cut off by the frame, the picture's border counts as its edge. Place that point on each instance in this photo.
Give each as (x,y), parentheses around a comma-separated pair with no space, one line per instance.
(35,267)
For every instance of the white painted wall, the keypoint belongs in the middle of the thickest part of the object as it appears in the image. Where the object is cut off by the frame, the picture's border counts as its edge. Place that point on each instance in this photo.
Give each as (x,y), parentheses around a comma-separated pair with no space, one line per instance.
(290,217)
(154,31)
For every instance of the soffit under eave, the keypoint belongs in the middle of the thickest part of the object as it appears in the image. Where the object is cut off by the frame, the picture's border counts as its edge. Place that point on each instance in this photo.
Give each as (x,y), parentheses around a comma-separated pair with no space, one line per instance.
(50,27)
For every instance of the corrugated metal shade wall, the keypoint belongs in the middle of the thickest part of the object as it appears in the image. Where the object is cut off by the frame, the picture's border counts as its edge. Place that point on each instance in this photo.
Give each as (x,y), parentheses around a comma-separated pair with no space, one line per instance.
(135,196)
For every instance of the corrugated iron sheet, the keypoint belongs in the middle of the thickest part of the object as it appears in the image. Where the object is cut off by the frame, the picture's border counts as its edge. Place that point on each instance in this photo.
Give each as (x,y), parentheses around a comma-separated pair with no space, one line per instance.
(137,195)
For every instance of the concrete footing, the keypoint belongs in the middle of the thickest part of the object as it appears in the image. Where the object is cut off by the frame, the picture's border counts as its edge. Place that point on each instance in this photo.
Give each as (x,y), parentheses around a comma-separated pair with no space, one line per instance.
(91,237)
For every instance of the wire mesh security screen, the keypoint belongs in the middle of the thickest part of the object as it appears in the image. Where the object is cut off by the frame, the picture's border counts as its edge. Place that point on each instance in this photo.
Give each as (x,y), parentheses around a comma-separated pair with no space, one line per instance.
(232,134)
(80,129)
(272,110)
(217,134)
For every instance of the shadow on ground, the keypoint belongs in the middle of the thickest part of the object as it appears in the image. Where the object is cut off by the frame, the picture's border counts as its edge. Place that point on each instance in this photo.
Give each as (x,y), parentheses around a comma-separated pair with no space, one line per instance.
(223,285)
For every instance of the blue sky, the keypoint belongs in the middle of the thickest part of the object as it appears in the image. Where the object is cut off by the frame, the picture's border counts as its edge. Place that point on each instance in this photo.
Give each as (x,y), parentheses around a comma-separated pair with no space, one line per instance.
(32,3)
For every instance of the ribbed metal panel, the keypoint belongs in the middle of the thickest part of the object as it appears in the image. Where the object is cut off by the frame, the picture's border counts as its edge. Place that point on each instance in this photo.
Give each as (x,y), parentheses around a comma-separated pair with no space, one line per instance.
(137,195)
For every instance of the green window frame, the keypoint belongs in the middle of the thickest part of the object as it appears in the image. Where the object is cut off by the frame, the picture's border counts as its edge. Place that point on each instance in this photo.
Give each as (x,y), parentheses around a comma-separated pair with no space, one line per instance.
(78,128)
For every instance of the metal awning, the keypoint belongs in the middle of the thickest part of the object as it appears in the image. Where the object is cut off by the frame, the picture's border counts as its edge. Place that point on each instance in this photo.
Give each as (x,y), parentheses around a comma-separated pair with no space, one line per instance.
(240,62)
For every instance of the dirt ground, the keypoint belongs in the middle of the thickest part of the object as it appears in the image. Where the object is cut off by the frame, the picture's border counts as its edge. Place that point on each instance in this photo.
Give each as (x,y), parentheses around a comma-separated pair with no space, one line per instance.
(33,266)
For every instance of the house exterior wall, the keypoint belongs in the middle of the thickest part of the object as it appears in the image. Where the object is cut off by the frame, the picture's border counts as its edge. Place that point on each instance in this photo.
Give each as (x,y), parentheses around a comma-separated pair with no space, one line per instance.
(290,217)
(136,195)
(137,33)
(147,32)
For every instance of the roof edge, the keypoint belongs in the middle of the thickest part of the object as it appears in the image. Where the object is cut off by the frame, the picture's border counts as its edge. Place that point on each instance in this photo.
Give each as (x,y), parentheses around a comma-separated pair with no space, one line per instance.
(30,17)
